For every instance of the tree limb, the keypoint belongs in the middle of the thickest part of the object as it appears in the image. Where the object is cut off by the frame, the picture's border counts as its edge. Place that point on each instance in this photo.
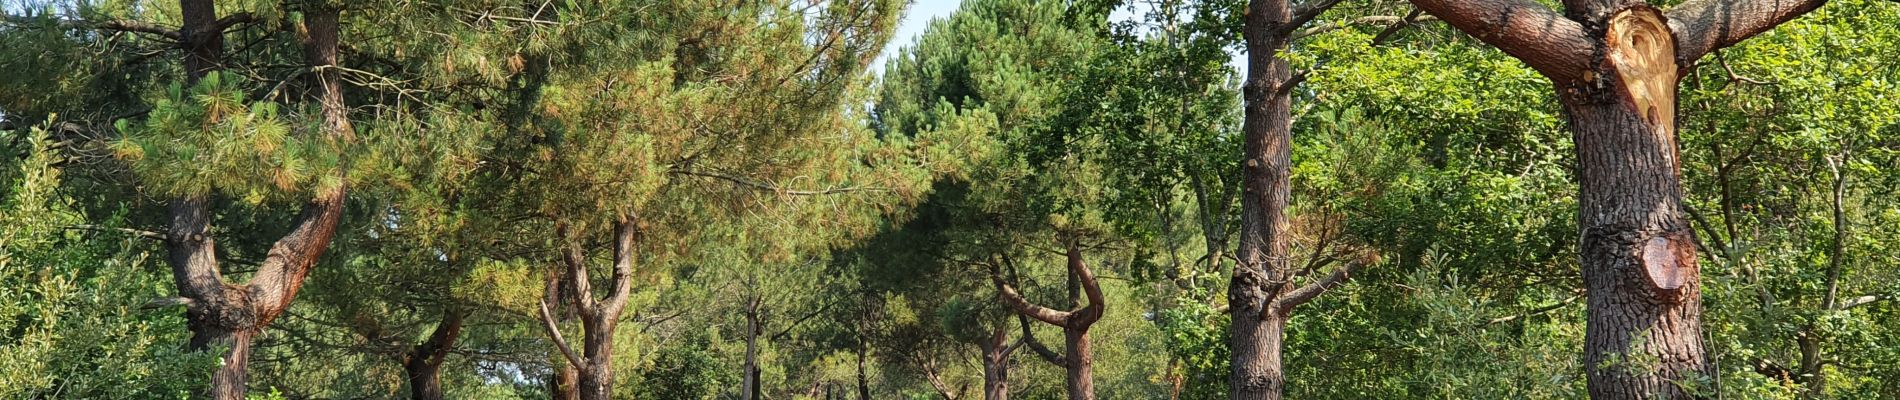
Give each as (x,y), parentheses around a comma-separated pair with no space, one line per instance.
(1703,26)
(1551,44)
(1307,12)
(134,232)
(626,235)
(554,332)
(1036,346)
(1285,303)
(1016,303)
(775,188)
(1093,312)
(1860,301)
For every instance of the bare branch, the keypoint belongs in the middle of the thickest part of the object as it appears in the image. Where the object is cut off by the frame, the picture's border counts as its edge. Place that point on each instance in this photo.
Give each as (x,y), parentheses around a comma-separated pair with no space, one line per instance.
(134,232)
(1306,12)
(775,188)
(554,332)
(1385,20)
(1549,43)
(1703,26)
(1090,285)
(1285,303)
(1860,301)
(1036,346)
(1535,312)
(1016,303)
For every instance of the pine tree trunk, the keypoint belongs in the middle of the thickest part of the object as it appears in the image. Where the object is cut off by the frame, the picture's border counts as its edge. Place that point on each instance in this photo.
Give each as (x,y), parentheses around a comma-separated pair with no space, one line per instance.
(1265,193)
(996,365)
(424,366)
(864,380)
(1643,338)
(1081,380)
(597,379)
(228,382)
(565,382)
(749,384)
(1260,349)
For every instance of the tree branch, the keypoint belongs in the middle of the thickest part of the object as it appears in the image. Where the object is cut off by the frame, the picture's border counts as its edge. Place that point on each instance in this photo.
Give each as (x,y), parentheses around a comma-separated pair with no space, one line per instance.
(1307,12)
(1015,302)
(1860,301)
(775,188)
(281,273)
(626,236)
(1036,346)
(1551,44)
(1090,285)
(110,25)
(1285,303)
(150,235)
(1703,26)
(554,332)
(575,259)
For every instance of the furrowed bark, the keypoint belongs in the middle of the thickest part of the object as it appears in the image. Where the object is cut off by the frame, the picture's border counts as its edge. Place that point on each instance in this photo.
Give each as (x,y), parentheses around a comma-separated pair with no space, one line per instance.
(1265,193)
(424,366)
(996,351)
(1643,338)
(1703,26)
(219,313)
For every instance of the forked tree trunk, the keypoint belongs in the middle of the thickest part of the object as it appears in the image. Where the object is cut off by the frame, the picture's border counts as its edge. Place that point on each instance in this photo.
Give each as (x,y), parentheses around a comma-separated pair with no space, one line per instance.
(1079,361)
(424,366)
(1615,65)
(224,315)
(599,316)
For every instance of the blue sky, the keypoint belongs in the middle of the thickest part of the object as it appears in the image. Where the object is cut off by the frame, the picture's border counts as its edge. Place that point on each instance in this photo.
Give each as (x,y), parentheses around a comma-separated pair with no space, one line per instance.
(916,18)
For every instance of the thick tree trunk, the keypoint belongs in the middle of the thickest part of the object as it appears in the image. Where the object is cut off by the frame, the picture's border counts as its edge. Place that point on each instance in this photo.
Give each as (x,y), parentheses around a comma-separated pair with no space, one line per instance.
(424,366)
(1265,192)
(1615,65)
(228,382)
(1081,382)
(220,314)
(597,379)
(1643,338)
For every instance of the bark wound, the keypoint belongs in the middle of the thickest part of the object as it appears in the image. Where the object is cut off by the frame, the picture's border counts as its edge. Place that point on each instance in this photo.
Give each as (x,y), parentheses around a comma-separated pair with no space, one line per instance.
(1641,49)
(1670,262)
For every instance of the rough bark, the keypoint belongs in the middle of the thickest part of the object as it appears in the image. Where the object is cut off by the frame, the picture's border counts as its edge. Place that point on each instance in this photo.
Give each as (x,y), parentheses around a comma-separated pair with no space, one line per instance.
(219,313)
(424,366)
(996,351)
(599,316)
(562,386)
(1615,65)
(1265,192)
(1079,361)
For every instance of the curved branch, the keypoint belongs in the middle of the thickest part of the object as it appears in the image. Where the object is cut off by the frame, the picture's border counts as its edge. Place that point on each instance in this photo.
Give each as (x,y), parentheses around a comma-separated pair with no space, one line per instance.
(1036,346)
(1703,26)
(1090,285)
(1551,44)
(1015,302)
